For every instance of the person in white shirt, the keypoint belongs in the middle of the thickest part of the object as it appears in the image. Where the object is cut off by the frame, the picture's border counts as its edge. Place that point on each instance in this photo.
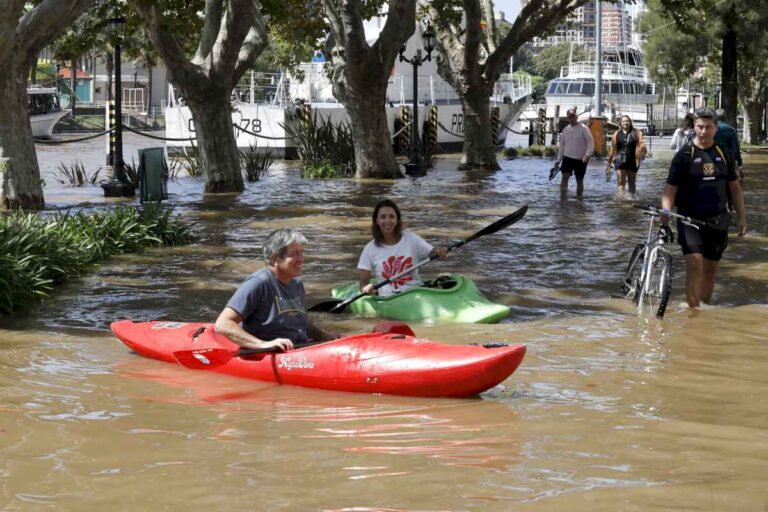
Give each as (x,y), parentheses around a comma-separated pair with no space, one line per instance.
(576,147)
(391,251)
(683,134)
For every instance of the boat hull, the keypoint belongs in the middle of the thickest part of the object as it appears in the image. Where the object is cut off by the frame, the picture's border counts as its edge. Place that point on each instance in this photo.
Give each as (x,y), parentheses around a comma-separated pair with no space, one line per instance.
(382,363)
(462,302)
(42,124)
(266,125)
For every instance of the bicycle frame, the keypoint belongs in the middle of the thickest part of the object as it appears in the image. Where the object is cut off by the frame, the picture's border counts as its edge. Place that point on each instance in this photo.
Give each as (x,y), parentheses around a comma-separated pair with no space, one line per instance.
(656,260)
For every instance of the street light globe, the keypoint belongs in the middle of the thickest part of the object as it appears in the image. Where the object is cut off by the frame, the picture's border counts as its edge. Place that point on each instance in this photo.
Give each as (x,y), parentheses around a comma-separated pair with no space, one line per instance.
(116,27)
(429,39)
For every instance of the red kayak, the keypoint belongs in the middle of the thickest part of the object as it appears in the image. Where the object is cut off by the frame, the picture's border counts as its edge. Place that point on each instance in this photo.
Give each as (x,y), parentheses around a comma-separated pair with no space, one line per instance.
(393,362)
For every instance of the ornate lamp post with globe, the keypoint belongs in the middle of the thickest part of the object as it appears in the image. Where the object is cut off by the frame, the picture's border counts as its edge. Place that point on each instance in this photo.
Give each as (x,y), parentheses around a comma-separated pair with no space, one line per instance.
(416,166)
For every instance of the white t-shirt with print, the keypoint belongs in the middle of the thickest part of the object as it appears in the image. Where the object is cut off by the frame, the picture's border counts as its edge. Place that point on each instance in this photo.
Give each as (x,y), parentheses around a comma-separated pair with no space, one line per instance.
(385,261)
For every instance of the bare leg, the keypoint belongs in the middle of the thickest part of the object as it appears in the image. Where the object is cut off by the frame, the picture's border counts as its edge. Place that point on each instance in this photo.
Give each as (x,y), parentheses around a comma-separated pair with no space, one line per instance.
(579,187)
(709,272)
(632,181)
(621,180)
(694,269)
(565,176)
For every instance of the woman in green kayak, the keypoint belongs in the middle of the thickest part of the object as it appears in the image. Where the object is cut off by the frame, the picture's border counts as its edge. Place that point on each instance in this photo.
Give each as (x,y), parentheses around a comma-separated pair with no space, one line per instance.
(392,250)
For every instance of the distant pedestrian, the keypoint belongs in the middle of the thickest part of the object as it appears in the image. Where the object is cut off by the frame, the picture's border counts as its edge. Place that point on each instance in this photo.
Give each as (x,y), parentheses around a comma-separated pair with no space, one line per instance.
(727,138)
(683,134)
(701,179)
(627,151)
(576,147)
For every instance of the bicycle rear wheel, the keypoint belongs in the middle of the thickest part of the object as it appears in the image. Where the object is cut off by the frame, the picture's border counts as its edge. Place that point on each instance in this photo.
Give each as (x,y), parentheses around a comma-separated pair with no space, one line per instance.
(659,283)
(631,286)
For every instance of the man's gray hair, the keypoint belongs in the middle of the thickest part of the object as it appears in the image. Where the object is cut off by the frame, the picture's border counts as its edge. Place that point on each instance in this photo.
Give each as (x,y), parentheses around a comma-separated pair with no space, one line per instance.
(278,242)
(705,113)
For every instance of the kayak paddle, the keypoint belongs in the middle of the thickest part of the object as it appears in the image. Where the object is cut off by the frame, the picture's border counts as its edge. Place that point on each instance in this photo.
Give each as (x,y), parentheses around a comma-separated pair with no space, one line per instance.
(209,358)
(338,306)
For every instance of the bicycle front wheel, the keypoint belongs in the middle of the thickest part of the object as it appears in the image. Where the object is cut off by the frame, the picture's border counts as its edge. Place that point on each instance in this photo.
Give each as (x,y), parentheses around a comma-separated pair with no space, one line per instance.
(631,286)
(659,283)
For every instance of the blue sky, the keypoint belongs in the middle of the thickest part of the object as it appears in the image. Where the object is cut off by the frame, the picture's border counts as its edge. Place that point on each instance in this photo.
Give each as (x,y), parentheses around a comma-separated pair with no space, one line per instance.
(509,7)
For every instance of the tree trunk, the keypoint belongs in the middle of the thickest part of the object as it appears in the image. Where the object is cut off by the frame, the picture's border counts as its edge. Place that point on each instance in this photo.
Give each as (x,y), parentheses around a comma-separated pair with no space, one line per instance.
(753,114)
(729,69)
(20,183)
(479,146)
(374,156)
(217,150)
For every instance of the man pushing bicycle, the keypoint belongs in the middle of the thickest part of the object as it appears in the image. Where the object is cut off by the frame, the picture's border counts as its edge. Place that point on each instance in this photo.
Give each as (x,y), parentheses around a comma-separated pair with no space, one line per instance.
(702,179)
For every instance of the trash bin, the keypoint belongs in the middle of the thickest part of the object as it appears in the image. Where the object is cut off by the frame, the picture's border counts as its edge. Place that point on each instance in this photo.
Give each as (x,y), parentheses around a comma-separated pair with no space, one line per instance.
(153,175)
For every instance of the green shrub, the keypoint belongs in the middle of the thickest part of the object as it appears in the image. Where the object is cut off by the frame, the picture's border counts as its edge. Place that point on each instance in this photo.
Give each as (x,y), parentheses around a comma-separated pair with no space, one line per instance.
(321,170)
(255,162)
(38,252)
(534,150)
(75,174)
(323,142)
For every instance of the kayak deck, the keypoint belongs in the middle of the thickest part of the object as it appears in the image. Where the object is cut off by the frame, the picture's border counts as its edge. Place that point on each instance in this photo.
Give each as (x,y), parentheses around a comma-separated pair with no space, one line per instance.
(384,363)
(453,298)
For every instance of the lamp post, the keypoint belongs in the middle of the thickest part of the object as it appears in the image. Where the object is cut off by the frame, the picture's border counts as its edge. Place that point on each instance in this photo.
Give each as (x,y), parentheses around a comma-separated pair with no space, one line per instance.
(415,166)
(118,186)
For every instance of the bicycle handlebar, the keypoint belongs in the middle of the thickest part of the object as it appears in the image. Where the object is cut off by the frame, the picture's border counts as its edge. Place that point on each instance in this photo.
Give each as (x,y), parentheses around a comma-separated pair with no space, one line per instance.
(657,212)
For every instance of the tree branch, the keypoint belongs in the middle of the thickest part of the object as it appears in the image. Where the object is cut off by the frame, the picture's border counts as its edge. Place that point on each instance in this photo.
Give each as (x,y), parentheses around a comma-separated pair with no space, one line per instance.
(211,27)
(43,23)
(236,26)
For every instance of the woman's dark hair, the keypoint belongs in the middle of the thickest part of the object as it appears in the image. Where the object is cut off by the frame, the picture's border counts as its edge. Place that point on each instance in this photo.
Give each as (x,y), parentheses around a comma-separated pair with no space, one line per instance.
(631,124)
(687,120)
(378,236)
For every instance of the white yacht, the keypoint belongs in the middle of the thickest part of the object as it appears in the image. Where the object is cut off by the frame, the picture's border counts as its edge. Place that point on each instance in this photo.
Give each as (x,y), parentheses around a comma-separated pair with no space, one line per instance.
(627,89)
(44,110)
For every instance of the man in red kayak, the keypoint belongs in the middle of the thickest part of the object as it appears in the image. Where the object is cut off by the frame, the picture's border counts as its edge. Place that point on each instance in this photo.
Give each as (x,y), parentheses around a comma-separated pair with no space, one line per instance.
(268,309)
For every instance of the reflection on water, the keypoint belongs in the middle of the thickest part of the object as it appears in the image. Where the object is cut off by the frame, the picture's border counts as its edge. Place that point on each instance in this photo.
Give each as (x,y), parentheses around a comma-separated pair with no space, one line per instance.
(608,407)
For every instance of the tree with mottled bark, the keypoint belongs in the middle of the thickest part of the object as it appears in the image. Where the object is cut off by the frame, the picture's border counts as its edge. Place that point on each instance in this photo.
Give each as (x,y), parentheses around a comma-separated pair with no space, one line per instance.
(473,57)
(360,77)
(233,36)
(23,34)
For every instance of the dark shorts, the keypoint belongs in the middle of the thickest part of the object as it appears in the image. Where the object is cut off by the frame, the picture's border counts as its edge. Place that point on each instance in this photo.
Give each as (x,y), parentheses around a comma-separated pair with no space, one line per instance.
(710,243)
(574,165)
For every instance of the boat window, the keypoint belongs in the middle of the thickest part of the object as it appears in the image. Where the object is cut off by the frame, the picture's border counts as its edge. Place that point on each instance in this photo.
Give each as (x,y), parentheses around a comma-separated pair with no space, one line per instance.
(574,88)
(552,88)
(562,87)
(588,88)
(40,103)
(616,87)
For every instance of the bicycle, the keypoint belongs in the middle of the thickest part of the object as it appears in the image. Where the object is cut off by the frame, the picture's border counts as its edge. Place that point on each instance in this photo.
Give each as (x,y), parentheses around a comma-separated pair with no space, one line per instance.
(648,279)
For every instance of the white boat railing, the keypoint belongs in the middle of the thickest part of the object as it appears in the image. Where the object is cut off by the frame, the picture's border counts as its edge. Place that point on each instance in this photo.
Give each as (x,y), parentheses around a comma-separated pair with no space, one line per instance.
(610,70)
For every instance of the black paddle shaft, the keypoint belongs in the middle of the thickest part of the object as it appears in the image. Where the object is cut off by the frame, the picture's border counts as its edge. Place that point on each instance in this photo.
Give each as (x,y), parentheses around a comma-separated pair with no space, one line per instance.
(490,229)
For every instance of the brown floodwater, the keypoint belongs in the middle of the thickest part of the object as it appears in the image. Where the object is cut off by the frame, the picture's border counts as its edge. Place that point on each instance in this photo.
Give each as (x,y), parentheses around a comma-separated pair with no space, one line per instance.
(610,410)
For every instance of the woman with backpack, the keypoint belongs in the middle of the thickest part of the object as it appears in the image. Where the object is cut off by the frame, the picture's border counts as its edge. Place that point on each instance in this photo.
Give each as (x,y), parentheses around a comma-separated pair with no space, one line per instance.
(627,151)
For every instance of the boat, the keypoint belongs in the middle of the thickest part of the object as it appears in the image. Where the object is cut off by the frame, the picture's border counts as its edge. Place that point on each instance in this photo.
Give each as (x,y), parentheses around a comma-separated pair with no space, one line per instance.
(264,103)
(451,298)
(44,110)
(627,89)
(390,361)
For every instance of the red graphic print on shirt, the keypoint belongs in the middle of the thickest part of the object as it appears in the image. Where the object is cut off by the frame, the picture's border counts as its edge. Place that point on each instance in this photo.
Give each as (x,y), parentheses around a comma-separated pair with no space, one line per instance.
(393,266)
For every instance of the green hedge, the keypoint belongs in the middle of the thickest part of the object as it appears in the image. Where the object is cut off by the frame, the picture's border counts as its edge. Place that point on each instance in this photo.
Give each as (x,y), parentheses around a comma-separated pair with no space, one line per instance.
(38,252)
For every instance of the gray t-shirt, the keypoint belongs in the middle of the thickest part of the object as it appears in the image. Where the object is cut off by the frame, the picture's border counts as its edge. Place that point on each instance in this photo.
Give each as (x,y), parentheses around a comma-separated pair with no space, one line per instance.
(271,309)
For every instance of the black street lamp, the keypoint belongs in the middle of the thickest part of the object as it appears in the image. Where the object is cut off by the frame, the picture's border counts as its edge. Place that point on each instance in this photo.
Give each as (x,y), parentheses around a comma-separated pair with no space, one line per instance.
(118,186)
(415,166)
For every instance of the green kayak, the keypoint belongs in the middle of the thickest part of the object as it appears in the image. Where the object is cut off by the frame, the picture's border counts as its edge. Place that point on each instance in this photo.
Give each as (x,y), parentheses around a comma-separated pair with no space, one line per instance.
(453,298)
